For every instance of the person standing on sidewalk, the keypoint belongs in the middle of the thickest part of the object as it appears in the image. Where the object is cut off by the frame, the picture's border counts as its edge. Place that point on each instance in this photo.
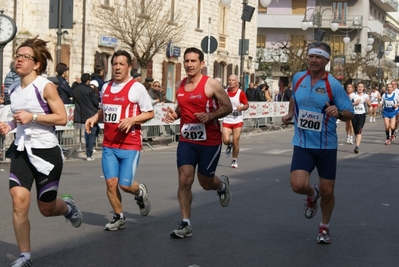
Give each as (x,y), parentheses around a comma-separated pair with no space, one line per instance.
(232,123)
(86,106)
(317,102)
(125,106)
(37,109)
(201,101)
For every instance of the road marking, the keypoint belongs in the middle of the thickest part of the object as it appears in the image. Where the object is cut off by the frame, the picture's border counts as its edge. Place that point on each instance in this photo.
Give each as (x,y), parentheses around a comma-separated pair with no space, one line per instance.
(278,151)
(360,156)
(395,159)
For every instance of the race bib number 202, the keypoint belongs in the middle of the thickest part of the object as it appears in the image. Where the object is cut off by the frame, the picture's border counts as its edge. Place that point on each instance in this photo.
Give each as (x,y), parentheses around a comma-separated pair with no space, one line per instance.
(309,120)
(194,131)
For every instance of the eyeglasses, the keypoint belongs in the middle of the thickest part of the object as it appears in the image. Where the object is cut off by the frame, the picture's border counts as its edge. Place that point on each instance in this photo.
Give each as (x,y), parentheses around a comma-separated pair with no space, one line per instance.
(156,85)
(25,57)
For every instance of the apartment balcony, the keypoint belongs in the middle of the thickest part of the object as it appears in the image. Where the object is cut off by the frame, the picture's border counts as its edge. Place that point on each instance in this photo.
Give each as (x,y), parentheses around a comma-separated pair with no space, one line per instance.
(387,5)
(287,21)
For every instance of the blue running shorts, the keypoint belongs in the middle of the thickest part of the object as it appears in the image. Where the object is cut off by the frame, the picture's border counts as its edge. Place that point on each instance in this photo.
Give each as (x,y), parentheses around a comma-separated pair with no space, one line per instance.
(325,160)
(206,157)
(121,164)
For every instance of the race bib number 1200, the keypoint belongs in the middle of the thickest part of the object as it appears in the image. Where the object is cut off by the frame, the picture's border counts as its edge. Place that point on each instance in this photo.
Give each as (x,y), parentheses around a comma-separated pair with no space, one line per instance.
(112,113)
(194,131)
(309,120)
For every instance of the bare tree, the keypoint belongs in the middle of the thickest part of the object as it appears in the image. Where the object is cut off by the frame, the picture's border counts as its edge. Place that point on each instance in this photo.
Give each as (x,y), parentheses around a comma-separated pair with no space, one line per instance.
(290,59)
(296,58)
(143,27)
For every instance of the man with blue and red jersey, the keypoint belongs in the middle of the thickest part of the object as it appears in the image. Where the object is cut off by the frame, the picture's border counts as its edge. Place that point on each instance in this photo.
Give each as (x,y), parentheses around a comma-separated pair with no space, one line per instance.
(125,106)
(232,123)
(317,102)
(201,101)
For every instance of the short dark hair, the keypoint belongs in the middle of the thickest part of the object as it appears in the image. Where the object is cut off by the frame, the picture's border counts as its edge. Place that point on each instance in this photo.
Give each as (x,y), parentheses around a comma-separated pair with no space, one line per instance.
(98,69)
(196,51)
(122,53)
(85,77)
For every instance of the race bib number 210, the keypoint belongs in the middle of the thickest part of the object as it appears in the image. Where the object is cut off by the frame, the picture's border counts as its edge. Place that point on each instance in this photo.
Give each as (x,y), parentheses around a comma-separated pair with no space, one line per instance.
(112,113)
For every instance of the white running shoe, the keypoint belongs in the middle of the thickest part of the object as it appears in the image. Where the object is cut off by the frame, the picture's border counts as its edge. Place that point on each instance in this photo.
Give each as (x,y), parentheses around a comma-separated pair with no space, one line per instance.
(348,140)
(374,119)
(77,217)
(351,140)
(117,223)
(234,164)
(143,202)
(225,197)
(371,119)
(183,231)
(228,150)
(22,262)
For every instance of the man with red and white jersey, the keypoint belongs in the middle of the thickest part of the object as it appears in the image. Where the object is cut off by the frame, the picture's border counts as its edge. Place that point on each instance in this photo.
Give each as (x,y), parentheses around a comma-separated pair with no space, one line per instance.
(232,123)
(201,101)
(125,106)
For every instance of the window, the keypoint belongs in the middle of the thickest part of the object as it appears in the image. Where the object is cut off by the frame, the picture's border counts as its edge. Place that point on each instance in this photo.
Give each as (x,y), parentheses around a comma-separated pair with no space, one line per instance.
(222,19)
(337,45)
(261,41)
(172,10)
(199,14)
(261,9)
(298,7)
(297,41)
(142,7)
(340,11)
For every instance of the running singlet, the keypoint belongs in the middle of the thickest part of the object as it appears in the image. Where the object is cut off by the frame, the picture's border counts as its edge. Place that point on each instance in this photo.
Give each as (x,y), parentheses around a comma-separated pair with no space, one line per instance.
(313,128)
(388,101)
(360,108)
(374,97)
(196,101)
(117,107)
(236,99)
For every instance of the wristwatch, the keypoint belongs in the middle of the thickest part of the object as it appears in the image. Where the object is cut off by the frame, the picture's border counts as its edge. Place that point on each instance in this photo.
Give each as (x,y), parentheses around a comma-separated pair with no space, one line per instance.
(340,114)
(34,117)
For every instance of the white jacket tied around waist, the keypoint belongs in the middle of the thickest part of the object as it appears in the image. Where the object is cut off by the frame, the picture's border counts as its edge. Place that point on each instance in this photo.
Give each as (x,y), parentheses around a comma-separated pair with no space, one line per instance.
(32,134)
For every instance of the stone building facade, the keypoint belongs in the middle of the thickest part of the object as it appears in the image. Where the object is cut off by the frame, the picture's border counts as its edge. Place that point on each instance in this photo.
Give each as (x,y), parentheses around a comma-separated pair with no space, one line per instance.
(82,48)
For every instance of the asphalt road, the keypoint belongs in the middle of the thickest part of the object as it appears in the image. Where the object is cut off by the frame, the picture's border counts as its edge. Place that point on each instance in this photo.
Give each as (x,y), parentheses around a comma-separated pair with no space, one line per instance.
(264,224)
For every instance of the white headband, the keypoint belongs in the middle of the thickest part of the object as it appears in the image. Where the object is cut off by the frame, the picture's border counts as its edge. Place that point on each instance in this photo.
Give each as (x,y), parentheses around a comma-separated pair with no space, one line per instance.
(318,51)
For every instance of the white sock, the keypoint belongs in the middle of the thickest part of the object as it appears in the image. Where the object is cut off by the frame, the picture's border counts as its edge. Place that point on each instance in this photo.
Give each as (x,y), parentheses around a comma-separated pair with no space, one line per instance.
(314,195)
(26,255)
(121,214)
(325,225)
(223,188)
(187,221)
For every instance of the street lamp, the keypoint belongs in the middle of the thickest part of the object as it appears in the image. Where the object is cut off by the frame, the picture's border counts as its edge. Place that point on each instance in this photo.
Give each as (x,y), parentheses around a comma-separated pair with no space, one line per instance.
(381,52)
(246,16)
(358,46)
(316,19)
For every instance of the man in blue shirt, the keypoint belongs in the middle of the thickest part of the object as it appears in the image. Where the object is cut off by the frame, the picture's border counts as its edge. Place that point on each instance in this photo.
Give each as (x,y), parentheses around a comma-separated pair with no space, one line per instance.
(317,102)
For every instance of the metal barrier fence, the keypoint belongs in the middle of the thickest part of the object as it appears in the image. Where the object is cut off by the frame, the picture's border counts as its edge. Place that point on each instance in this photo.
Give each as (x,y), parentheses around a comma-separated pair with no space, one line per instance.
(71,136)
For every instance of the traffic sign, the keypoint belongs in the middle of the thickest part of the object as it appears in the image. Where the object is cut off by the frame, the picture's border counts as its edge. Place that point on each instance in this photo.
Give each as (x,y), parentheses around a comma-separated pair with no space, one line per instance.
(213,44)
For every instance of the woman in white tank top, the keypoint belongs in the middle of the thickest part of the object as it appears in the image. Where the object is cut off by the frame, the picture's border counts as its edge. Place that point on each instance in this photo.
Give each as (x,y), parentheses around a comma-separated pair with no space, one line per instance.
(375,98)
